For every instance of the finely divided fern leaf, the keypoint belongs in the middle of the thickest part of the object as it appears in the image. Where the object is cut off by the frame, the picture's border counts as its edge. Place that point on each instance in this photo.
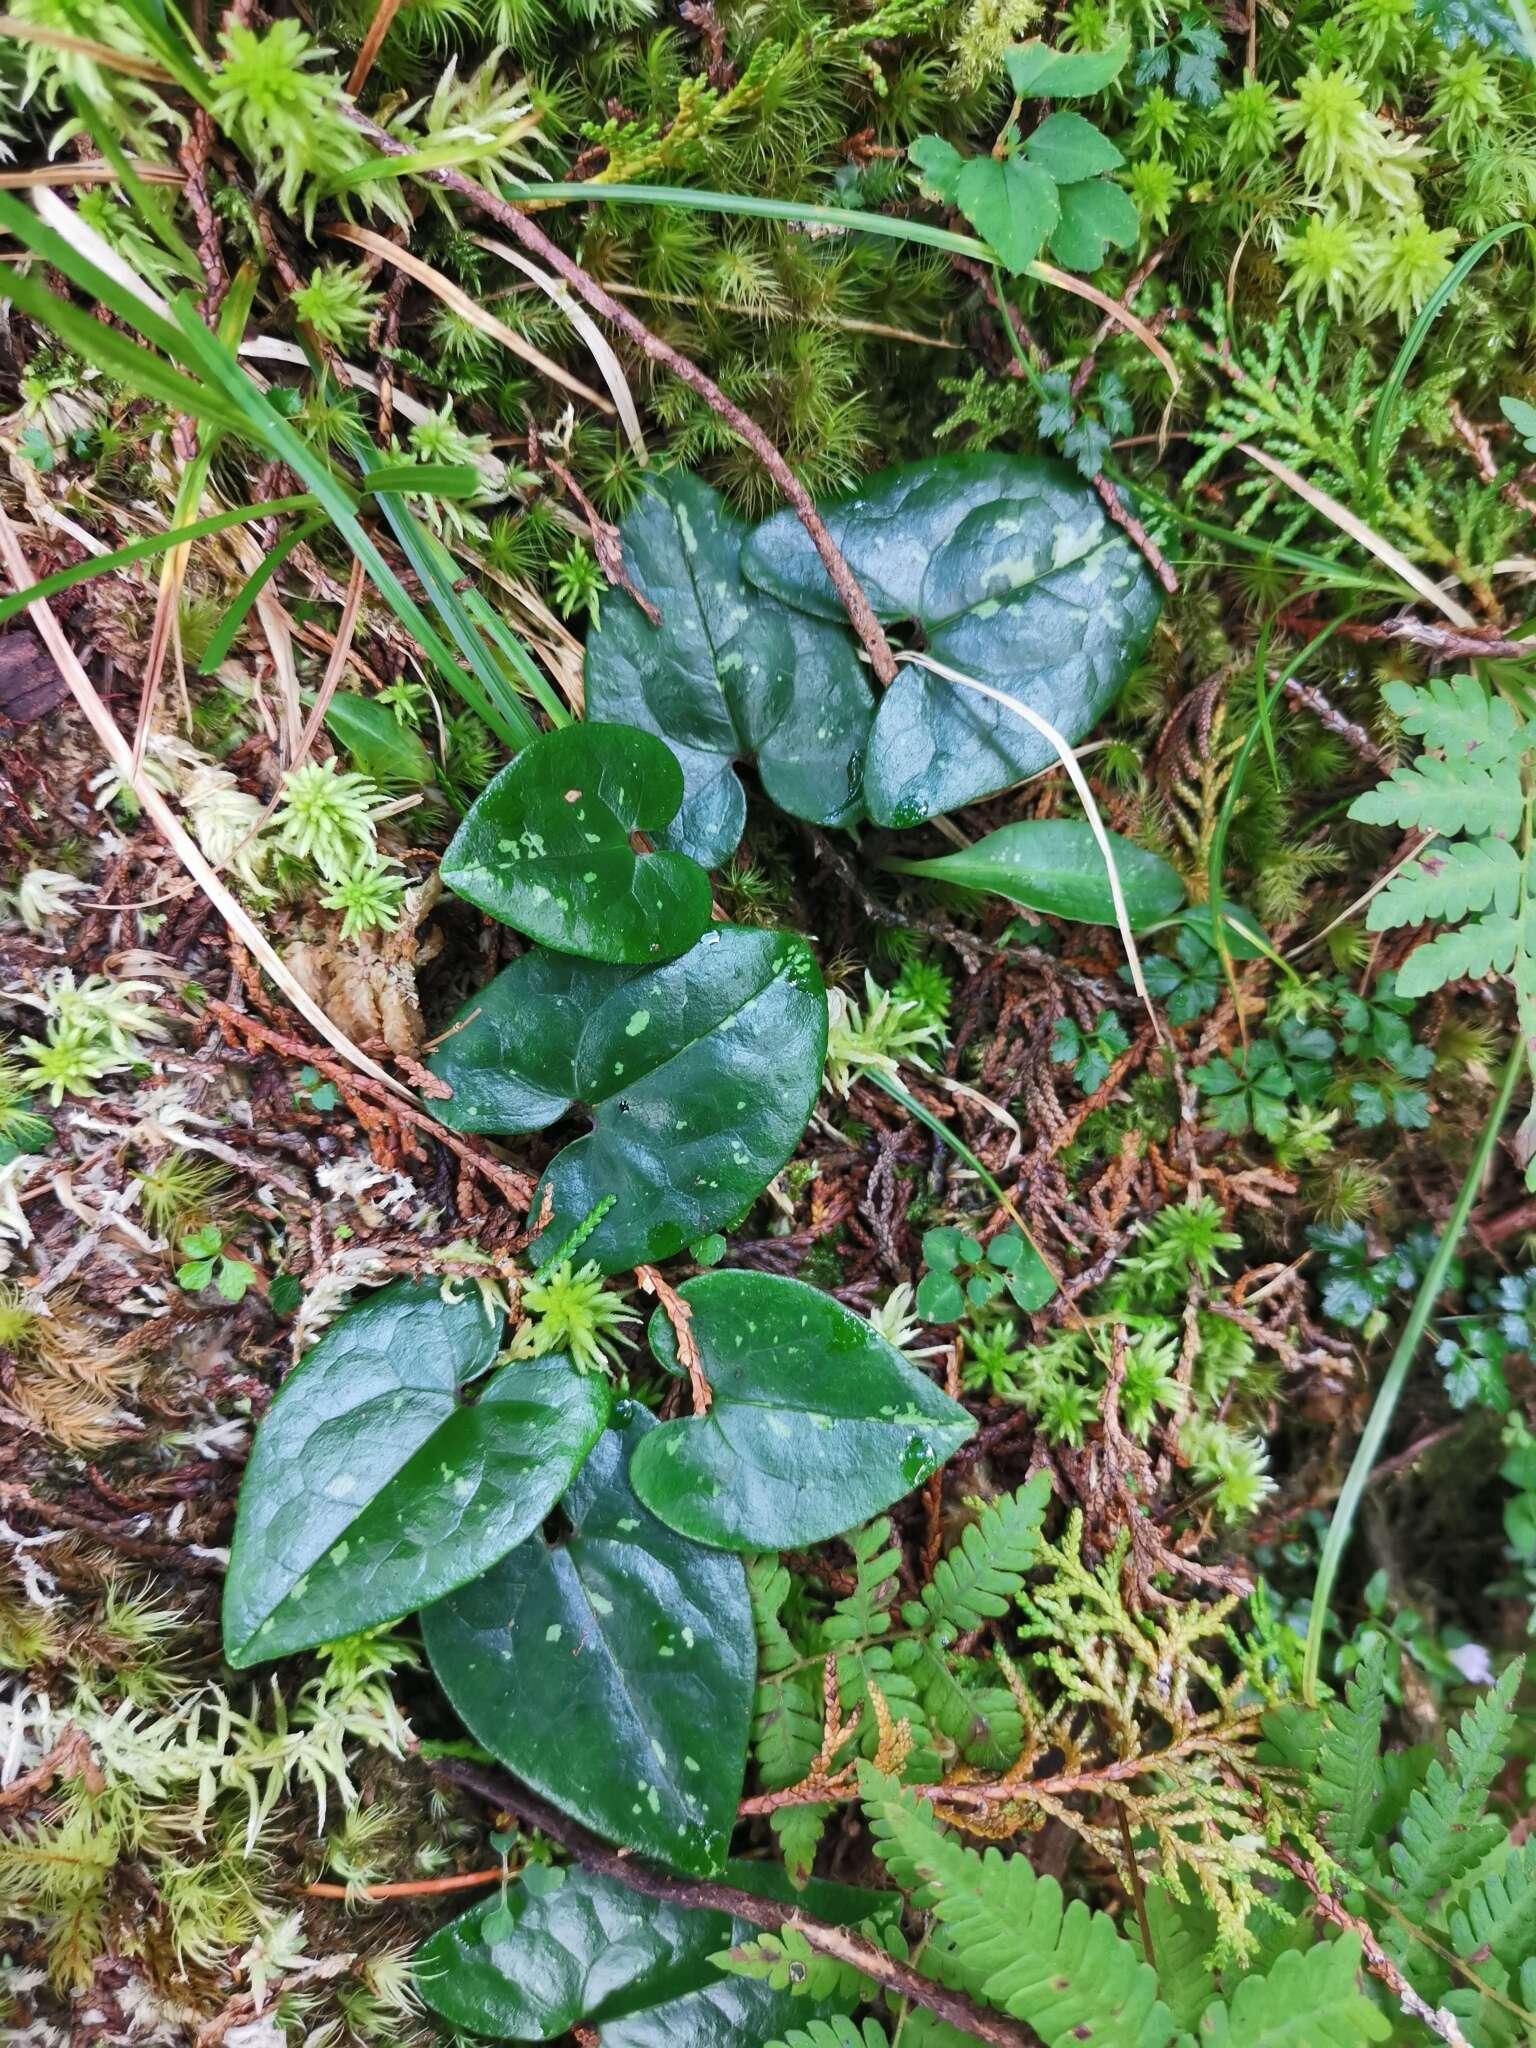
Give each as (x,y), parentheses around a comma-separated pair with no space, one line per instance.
(1473,951)
(1069,1973)
(1496,1922)
(1443,1835)
(1310,1999)
(1449,882)
(980,1577)
(1470,781)
(837,2032)
(1349,1758)
(1445,796)
(1184,1932)
(1457,715)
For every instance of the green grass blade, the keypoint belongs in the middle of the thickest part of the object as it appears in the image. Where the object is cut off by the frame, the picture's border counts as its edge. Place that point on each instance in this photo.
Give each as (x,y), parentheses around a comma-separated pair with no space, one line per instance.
(264,424)
(105,349)
(1413,341)
(34,233)
(427,479)
(1329,573)
(1387,1395)
(516,656)
(235,615)
(142,550)
(485,689)
(752,206)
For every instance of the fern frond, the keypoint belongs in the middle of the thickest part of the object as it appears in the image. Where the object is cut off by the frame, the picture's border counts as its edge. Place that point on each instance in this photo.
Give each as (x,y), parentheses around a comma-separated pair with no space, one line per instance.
(787,1962)
(982,1721)
(1472,952)
(799,1830)
(786,1723)
(837,2032)
(1443,1834)
(768,1587)
(1447,797)
(1068,1972)
(1310,1999)
(1497,1920)
(1449,882)
(981,1575)
(1349,1758)
(865,1612)
(1459,716)
(1184,1932)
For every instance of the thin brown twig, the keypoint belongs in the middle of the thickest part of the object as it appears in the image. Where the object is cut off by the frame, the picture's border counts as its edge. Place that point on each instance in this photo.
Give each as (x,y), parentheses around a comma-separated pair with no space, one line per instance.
(383,20)
(55,1516)
(424,1887)
(680,1316)
(850,592)
(506,1796)
(1377,1961)
(1123,517)
(371,1103)
(1441,642)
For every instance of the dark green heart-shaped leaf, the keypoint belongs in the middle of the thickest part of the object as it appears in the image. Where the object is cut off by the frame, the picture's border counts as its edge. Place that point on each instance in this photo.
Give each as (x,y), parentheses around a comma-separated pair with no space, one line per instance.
(727,676)
(373,1488)
(699,1078)
(1011,204)
(546,848)
(1037,71)
(817,1422)
(638,1970)
(1068,148)
(1054,865)
(611,1667)
(377,741)
(1015,576)
(1093,214)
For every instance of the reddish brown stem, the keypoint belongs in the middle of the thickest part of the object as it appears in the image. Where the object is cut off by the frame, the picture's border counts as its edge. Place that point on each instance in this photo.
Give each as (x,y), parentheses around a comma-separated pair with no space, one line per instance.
(424,1887)
(533,238)
(507,1796)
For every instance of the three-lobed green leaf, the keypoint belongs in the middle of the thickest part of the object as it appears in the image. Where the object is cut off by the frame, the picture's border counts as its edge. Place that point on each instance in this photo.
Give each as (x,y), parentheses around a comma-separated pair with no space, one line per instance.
(1052,187)
(1039,71)
(1014,575)
(373,1487)
(816,1422)
(547,847)
(611,1666)
(699,1077)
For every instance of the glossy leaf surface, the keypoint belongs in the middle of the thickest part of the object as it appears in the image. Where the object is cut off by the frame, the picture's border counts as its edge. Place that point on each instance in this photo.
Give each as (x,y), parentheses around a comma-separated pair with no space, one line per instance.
(1015,576)
(380,745)
(546,848)
(1054,865)
(729,675)
(373,1488)
(699,1077)
(611,1667)
(637,1970)
(817,1422)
